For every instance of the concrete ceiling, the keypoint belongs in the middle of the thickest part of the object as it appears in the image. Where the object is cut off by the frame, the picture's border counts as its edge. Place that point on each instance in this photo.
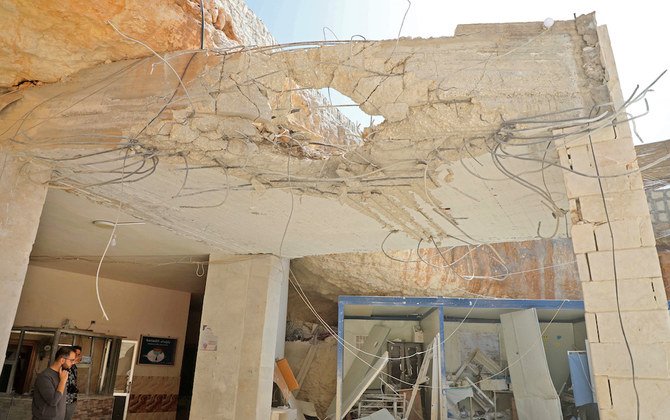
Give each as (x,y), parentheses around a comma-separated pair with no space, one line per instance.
(227,162)
(67,229)
(149,254)
(145,254)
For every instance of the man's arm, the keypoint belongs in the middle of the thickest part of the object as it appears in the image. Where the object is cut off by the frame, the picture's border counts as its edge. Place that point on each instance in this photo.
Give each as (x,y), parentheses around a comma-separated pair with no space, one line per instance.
(45,388)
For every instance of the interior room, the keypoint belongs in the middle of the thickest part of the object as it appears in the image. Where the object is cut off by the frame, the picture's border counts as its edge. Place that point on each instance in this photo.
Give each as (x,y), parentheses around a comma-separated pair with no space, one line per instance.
(472,359)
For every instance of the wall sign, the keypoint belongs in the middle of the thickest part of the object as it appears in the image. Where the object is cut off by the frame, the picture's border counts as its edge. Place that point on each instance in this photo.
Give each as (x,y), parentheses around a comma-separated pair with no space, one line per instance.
(157,351)
(208,341)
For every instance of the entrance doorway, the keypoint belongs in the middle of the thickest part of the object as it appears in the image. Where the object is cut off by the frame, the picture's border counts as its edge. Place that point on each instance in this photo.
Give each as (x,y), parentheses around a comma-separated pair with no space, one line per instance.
(124,379)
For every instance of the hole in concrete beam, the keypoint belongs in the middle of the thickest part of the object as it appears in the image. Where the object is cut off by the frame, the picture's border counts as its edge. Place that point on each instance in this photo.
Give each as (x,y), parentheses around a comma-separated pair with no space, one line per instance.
(350,109)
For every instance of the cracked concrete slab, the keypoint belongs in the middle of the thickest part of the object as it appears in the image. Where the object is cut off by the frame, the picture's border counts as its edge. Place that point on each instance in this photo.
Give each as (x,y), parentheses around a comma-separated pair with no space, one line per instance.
(229,142)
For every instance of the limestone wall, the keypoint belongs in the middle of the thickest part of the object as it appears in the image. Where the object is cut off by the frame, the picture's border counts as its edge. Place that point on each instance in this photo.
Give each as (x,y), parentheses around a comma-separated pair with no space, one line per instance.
(543,269)
(50,40)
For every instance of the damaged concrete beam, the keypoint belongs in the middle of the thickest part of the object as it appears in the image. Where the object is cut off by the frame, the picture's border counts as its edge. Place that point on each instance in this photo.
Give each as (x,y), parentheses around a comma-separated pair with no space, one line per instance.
(231,122)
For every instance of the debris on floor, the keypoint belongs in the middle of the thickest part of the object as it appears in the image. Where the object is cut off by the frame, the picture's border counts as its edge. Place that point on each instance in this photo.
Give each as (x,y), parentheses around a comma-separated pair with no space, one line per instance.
(379,415)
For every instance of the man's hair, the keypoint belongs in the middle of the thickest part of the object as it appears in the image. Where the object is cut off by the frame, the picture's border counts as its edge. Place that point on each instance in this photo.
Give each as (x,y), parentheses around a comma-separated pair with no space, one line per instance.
(64,352)
(75,348)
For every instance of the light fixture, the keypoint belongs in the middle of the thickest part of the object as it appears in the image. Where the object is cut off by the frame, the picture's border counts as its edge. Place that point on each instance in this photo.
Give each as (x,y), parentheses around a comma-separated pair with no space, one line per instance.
(108,224)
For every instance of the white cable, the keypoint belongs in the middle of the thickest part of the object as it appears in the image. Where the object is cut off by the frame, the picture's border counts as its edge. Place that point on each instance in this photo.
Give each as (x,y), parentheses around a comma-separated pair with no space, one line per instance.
(109,242)
(97,273)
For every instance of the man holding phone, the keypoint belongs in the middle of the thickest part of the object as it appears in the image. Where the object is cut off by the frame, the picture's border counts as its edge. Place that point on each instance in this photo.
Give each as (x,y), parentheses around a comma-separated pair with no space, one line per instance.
(48,395)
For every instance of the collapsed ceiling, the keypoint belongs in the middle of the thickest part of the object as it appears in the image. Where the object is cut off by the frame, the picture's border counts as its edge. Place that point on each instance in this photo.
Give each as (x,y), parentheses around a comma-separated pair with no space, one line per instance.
(212,145)
(233,149)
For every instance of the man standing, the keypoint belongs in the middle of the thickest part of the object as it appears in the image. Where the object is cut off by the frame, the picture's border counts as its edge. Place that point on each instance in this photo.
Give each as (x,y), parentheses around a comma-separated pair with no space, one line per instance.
(48,395)
(71,386)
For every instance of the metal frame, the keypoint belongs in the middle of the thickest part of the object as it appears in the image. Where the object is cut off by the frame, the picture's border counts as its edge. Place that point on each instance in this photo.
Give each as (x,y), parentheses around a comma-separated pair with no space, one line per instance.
(435,303)
(65,331)
(12,372)
(443,366)
(129,379)
(340,358)
(113,362)
(105,361)
(90,366)
(461,302)
(387,318)
(57,332)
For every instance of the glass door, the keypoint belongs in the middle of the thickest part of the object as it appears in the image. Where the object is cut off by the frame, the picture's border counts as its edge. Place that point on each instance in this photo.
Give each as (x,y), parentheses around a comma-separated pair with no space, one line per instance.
(124,378)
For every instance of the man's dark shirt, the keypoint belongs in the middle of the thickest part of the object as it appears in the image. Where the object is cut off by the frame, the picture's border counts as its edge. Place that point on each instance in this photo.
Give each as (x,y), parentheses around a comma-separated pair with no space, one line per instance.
(48,403)
(71,389)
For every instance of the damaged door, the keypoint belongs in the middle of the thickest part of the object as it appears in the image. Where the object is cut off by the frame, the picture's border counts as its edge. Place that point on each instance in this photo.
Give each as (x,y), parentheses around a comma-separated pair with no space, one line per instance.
(534,393)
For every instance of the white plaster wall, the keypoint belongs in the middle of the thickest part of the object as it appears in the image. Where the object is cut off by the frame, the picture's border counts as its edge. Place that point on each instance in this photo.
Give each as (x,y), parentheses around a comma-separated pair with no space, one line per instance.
(457,335)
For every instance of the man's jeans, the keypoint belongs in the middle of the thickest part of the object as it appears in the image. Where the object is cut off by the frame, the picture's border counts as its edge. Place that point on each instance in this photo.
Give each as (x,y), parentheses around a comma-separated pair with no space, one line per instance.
(69,410)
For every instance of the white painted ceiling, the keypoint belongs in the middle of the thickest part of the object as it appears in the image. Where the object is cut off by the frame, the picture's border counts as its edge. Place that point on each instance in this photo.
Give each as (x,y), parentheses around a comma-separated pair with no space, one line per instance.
(145,254)
(66,229)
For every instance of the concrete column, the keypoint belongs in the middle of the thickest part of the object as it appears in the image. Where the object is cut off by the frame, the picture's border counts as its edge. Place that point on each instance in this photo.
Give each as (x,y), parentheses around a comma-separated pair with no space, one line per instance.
(615,249)
(23,189)
(240,311)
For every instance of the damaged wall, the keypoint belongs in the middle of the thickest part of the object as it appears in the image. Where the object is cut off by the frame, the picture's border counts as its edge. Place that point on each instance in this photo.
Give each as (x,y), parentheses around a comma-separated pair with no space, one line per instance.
(543,269)
(47,45)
